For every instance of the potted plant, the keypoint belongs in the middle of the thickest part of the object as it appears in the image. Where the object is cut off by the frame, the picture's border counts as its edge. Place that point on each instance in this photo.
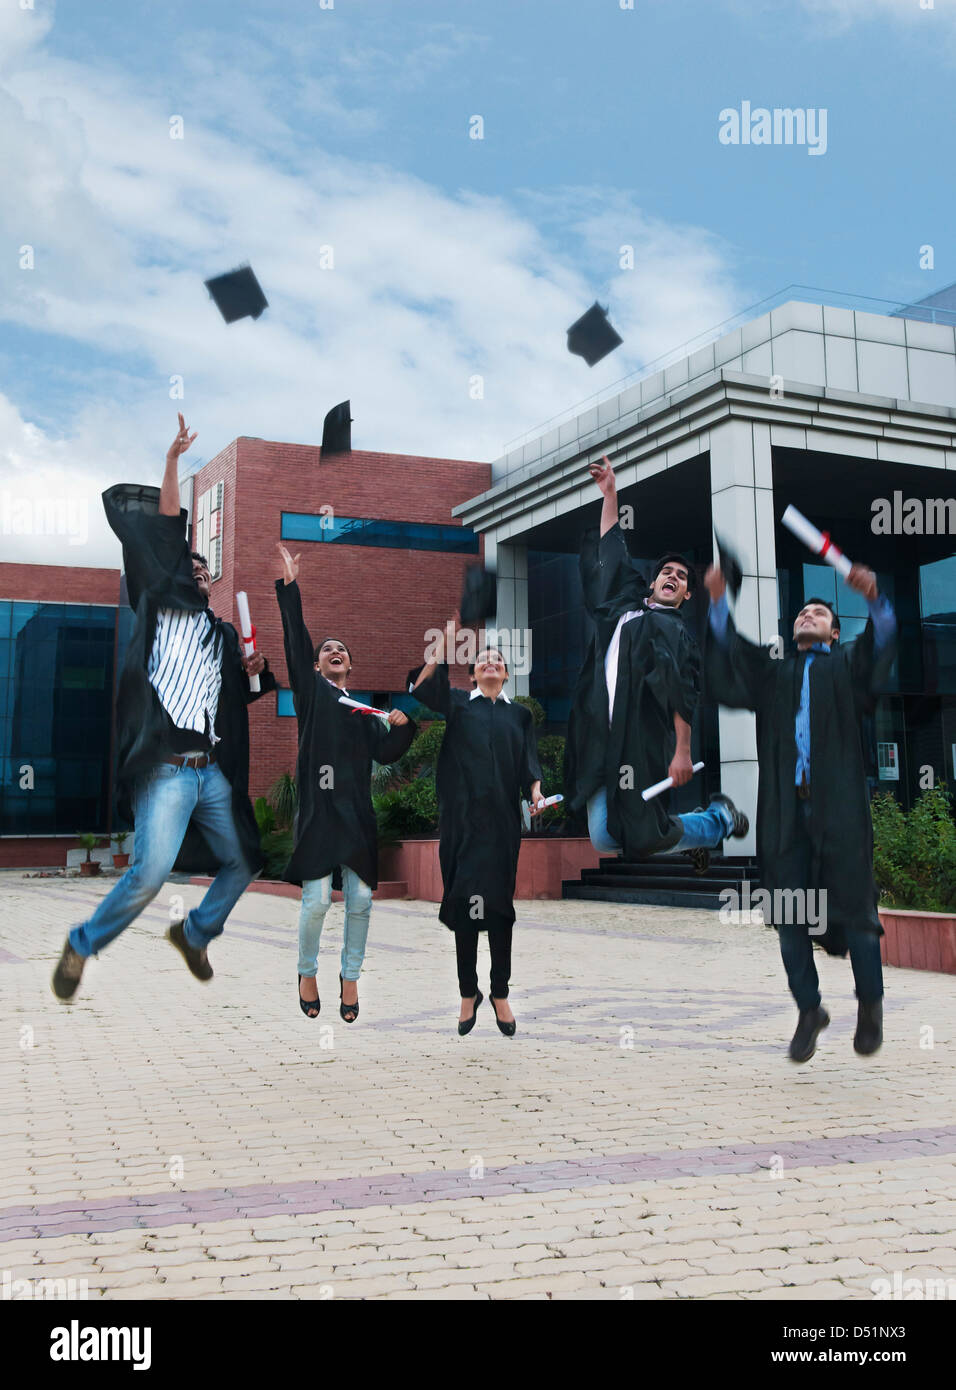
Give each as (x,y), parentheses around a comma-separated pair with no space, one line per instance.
(90,867)
(120,856)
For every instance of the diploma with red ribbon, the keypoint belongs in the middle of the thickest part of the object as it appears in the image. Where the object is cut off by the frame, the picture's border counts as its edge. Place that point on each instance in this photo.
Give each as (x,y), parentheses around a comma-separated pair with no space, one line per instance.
(817,541)
(359,708)
(247,633)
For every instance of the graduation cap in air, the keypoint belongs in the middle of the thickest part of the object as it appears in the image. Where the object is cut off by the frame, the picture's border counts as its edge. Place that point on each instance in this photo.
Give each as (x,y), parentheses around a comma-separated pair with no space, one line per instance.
(730,566)
(238,294)
(337,430)
(592,337)
(479,597)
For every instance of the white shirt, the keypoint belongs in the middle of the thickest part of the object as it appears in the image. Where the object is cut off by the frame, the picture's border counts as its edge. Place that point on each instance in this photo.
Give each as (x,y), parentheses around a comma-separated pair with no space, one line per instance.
(611,658)
(613,652)
(185,669)
(476,692)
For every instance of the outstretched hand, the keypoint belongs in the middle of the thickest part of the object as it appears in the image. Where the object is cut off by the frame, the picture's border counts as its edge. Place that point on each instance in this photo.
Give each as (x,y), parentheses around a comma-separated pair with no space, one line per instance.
(715,583)
(182,441)
(863,580)
(290,564)
(603,475)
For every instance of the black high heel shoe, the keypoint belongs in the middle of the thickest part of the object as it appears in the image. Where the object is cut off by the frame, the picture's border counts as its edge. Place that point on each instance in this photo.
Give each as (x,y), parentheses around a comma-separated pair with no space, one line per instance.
(507,1028)
(306,1004)
(466,1025)
(344,1009)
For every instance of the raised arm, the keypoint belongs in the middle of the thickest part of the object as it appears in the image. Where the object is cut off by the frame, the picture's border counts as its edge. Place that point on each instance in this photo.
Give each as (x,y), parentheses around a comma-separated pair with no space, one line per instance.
(737,673)
(430,683)
(299,657)
(169,491)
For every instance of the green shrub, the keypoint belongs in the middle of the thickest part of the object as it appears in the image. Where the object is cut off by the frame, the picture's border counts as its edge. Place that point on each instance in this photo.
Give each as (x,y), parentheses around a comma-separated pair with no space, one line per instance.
(914,853)
(535,706)
(408,809)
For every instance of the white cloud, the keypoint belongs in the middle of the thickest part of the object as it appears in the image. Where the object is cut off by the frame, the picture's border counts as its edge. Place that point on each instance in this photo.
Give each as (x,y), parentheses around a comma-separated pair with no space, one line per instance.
(428,290)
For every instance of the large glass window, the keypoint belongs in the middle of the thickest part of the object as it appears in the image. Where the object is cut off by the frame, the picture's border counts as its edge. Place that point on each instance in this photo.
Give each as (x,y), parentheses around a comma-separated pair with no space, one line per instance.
(390,535)
(56,715)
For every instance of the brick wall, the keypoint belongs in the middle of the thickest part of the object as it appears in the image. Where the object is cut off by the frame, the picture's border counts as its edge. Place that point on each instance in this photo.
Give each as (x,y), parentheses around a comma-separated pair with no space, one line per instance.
(59,584)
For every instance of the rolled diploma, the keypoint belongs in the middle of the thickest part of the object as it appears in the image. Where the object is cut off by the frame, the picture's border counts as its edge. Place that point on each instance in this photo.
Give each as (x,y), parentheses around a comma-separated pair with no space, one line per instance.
(816,541)
(659,787)
(245,627)
(366,709)
(548,801)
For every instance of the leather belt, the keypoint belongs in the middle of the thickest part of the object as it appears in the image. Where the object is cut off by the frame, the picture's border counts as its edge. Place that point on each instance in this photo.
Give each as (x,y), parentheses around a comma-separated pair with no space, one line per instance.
(803,789)
(201,760)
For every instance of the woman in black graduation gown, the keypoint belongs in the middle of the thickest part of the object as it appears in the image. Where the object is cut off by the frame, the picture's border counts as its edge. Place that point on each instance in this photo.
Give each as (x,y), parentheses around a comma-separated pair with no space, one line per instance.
(488,760)
(335,830)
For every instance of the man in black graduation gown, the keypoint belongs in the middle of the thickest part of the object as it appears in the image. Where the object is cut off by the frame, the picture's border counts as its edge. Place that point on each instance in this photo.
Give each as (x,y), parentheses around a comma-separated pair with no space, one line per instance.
(335,828)
(182,730)
(488,761)
(814,829)
(634,702)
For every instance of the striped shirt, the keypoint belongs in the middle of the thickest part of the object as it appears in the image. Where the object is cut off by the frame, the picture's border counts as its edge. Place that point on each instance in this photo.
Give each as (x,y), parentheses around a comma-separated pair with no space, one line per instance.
(185,668)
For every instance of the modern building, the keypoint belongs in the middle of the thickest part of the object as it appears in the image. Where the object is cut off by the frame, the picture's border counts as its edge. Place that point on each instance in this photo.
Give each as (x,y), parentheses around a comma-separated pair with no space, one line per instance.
(828,408)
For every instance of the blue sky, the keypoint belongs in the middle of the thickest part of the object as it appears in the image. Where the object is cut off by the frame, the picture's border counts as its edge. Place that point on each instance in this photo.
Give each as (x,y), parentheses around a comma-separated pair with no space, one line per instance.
(307,127)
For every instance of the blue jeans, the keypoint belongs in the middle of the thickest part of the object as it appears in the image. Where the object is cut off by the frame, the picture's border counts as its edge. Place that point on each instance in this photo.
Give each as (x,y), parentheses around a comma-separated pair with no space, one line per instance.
(702,829)
(316,898)
(165,799)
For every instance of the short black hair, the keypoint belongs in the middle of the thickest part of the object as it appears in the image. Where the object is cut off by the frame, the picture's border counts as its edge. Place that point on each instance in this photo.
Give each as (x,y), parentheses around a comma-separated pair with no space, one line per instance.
(672,557)
(201,558)
(320,645)
(835,623)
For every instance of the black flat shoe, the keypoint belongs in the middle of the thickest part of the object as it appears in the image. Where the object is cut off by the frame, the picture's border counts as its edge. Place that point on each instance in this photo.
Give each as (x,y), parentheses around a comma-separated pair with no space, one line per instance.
(740,823)
(507,1028)
(810,1024)
(346,1009)
(869,1028)
(466,1025)
(306,1004)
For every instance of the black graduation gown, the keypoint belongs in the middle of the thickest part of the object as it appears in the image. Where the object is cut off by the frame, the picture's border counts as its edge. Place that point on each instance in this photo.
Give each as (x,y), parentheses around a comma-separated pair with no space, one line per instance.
(658,675)
(334,824)
(488,761)
(843,686)
(159,574)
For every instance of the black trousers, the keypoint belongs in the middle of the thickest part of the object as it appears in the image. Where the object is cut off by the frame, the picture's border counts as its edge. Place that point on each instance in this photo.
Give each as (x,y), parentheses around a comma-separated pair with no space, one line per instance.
(466,948)
(796,946)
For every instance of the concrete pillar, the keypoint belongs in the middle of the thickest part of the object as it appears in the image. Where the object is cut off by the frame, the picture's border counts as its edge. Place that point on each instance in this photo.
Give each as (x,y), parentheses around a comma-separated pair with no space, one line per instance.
(741,484)
(511,562)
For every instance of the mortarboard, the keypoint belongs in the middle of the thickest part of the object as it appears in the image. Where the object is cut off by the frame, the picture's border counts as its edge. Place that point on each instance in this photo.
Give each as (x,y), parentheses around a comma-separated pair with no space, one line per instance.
(592,337)
(238,294)
(337,430)
(730,566)
(479,597)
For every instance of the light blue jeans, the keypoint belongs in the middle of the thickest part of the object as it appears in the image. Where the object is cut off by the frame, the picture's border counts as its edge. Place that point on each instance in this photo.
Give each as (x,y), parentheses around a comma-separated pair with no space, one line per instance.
(702,829)
(165,799)
(316,898)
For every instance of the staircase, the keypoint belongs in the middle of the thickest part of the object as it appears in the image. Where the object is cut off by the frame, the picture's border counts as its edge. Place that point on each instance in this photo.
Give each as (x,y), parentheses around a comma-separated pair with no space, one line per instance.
(669,881)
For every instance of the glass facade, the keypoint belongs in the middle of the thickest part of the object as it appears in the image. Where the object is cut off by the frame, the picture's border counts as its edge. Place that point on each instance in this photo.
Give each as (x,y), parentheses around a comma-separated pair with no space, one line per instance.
(389,535)
(58,664)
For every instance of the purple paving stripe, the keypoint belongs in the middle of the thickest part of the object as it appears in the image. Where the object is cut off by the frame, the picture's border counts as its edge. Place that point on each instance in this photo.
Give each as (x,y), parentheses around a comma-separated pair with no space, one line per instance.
(147,1211)
(7,958)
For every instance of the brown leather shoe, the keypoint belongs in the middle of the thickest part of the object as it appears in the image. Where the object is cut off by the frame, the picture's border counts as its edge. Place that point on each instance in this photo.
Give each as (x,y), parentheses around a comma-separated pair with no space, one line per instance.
(197,961)
(68,973)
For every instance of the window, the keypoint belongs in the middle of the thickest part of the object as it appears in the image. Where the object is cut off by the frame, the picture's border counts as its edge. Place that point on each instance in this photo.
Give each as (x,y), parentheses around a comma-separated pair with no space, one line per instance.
(207,531)
(389,535)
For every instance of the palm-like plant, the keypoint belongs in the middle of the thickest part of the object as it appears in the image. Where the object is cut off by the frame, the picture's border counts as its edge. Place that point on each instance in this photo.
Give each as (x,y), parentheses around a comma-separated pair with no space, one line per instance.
(284,799)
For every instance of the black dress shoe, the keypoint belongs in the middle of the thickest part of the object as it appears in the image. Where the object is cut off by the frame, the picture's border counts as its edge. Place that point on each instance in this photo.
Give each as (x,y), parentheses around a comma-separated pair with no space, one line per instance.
(741,824)
(810,1024)
(68,972)
(196,960)
(869,1028)
(465,1025)
(507,1028)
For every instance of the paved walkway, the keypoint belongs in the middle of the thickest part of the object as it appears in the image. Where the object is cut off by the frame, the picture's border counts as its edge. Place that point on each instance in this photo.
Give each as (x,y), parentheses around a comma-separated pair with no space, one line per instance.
(643,1136)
